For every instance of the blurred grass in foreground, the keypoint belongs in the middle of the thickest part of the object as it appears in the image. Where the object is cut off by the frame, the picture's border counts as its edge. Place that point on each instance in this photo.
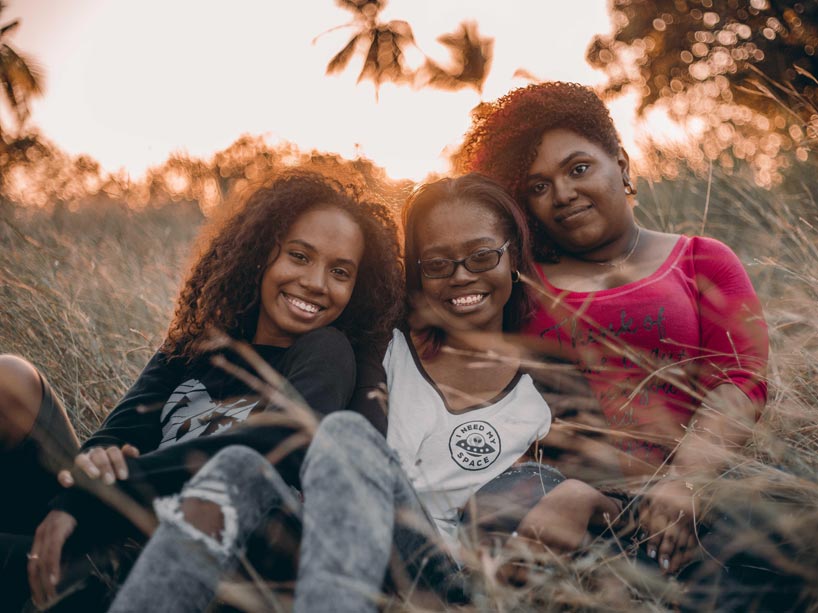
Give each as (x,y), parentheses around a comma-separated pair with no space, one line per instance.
(86,295)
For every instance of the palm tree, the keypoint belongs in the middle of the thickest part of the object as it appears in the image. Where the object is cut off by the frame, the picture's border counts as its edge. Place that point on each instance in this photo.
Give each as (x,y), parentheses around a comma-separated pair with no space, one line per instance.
(384,46)
(20,77)
(471,59)
(384,43)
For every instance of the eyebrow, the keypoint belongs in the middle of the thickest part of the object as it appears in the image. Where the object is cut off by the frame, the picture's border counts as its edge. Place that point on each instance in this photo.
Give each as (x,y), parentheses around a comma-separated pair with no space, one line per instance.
(311,248)
(468,244)
(563,162)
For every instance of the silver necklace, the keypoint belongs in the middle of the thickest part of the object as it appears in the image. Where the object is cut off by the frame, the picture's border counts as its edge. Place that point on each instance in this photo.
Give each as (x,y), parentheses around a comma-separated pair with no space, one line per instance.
(621,260)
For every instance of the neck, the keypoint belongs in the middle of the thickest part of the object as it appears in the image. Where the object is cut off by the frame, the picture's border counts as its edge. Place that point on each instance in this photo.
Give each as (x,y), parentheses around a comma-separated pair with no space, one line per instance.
(615,253)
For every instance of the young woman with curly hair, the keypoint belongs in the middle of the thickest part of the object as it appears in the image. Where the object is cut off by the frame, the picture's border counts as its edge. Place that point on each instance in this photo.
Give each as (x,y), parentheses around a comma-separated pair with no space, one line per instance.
(300,255)
(667,328)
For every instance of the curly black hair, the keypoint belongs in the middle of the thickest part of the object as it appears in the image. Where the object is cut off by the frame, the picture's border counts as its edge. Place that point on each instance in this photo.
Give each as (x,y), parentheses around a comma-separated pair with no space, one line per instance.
(475,189)
(504,136)
(222,290)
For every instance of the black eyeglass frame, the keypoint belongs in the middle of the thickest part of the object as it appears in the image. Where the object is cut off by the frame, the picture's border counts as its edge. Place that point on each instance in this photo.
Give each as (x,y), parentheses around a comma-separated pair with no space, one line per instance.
(455,263)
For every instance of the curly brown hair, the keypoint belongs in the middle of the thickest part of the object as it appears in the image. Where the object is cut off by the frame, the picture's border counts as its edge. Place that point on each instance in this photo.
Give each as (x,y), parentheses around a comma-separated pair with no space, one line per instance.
(503,139)
(222,289)
(474,188)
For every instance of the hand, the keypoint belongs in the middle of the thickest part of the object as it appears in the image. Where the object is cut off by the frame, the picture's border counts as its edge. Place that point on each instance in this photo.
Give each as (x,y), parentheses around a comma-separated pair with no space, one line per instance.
(107,463)
(667,516)
(45,555)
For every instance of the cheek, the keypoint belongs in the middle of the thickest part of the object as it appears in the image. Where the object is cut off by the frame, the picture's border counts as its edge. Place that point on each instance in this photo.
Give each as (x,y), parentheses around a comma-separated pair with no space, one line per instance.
(538,208)
(342,294)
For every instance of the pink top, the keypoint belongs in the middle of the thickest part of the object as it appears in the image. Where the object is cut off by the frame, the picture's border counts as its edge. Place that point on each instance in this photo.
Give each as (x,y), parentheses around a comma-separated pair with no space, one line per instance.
(652,348)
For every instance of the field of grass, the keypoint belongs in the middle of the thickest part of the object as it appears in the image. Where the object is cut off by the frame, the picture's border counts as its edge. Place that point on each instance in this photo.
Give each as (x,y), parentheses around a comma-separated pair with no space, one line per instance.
(86,295)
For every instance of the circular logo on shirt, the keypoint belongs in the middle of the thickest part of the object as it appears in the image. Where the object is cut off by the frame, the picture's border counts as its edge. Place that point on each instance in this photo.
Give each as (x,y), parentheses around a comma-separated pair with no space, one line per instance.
(474,445)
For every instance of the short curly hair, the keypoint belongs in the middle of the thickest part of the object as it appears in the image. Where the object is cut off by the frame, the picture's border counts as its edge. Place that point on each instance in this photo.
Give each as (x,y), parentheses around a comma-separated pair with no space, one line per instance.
(222,290)
(503,139)
(477,189)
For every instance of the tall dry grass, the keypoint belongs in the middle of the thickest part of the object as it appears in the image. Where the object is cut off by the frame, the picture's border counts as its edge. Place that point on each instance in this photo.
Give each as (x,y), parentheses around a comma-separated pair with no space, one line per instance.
(86,296)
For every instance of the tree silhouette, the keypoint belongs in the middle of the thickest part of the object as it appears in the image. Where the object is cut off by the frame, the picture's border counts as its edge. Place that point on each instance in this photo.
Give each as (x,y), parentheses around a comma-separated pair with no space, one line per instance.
(384,46)
(743,67)
(471,60)
(20,78)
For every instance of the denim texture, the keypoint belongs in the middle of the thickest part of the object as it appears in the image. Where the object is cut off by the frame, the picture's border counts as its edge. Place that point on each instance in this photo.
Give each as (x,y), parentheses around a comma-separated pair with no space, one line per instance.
(180,567)
(359,507)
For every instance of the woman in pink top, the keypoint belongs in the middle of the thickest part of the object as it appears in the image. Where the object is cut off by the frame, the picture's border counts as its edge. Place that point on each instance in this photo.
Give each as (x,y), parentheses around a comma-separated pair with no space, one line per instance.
(667,328)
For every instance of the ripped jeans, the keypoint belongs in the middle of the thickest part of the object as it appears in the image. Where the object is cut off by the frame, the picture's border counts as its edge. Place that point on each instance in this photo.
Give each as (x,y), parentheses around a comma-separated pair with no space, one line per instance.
(180,567)
(358,509)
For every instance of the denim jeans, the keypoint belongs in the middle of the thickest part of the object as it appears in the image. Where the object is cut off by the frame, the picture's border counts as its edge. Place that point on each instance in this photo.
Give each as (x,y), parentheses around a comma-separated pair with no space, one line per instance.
(180,567)
(359,508)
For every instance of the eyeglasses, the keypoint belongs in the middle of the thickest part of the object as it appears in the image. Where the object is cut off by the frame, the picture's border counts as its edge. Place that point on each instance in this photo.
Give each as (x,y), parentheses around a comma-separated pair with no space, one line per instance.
(479,261)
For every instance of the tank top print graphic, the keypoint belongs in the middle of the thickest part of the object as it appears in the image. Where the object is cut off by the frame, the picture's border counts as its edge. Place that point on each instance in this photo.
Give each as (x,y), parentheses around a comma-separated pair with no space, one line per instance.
(475,445)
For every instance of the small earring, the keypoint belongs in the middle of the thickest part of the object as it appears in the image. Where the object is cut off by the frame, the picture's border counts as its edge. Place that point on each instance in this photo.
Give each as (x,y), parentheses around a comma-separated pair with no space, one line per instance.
(515,276)
(630,190)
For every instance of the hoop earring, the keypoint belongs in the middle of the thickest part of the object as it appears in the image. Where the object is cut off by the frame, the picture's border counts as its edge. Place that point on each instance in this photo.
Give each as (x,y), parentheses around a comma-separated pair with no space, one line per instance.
(515,276)
(630,190)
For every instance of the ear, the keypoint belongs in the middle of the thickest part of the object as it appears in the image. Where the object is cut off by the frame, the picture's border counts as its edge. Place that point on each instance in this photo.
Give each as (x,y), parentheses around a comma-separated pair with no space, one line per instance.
(624,161)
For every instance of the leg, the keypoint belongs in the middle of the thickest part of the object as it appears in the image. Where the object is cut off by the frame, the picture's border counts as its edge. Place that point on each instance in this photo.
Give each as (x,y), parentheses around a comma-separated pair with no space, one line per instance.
(353,487)
(36,439)
(201,533)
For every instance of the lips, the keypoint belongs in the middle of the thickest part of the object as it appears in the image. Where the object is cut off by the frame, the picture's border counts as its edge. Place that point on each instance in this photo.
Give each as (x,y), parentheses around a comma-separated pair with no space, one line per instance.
(301,306)
(572,214)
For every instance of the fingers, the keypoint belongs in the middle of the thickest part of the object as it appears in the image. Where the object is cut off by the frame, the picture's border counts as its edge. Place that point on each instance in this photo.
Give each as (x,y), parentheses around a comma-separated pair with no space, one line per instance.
(44,558)
(683,554)
(130,451)
(106,463)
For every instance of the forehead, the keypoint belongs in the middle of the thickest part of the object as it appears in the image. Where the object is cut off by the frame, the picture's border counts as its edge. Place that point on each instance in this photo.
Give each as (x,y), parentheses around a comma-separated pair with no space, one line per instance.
(330,231)
(558,143)
(454,223)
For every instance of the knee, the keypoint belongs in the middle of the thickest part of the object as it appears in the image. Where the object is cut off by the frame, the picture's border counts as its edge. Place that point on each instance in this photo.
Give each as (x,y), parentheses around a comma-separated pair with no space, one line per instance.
(20,397)
(346,438)
(574,490)
(204,515)
(345,429)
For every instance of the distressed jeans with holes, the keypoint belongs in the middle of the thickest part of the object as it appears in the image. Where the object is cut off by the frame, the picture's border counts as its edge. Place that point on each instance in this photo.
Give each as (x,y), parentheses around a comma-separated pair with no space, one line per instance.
(180,567)
(359,508)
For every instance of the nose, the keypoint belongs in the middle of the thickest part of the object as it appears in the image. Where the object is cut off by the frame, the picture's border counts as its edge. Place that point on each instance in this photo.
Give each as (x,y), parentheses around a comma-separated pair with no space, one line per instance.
(462,275)
(314,279)
(564,192)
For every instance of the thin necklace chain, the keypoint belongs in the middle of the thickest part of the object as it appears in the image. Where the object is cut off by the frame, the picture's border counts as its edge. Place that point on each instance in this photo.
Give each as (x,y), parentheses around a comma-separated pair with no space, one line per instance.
(620,261)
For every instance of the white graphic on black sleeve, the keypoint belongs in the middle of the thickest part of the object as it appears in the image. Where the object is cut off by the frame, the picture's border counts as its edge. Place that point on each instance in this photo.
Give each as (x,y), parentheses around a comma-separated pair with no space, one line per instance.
(190,412)
(474,445)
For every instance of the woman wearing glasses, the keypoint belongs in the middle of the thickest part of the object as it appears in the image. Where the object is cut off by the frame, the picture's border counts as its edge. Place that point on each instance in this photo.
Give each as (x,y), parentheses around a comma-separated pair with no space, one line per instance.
(461,413)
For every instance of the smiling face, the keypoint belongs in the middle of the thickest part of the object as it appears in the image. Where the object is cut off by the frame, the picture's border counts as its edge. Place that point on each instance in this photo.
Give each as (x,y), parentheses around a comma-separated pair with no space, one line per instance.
(576,189)
(456,230)
(310,278)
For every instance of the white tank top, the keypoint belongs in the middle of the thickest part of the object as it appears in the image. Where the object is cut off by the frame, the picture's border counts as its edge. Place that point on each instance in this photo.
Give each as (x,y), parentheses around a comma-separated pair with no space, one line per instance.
(449,456)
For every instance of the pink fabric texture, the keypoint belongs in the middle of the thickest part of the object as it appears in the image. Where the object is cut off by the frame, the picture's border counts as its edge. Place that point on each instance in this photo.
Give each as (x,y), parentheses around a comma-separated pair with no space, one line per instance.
(651,349)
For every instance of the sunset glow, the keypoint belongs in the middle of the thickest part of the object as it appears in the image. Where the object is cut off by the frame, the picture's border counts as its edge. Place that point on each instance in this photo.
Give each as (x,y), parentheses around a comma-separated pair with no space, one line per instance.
(129,83)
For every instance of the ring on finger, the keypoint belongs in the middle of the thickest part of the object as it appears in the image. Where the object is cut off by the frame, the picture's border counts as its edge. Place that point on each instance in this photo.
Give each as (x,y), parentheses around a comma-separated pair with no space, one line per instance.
(32,556)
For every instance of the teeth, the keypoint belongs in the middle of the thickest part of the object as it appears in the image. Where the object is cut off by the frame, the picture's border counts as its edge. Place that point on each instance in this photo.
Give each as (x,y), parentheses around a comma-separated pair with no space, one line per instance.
(467,300)
(304,306)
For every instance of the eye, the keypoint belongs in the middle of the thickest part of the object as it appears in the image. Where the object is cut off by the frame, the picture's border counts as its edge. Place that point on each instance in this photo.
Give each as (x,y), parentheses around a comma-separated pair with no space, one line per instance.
(538,188)
(298,256)
(580,169)
(483,256)
(341,273)
(436,265)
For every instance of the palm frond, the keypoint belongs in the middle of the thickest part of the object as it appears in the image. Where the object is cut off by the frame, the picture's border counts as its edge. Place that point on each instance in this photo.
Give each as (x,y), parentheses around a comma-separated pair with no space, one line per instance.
(341,59)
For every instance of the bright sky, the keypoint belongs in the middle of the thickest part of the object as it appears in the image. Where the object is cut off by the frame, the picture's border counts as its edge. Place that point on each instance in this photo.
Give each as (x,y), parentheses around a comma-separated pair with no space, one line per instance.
(131,82)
